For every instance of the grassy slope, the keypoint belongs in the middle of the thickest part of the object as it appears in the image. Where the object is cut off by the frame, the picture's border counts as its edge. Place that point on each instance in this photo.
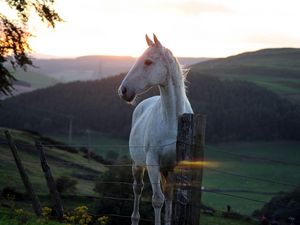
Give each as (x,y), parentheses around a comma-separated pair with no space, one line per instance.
(100,143)
(275,69)
(35,78)
(61,163)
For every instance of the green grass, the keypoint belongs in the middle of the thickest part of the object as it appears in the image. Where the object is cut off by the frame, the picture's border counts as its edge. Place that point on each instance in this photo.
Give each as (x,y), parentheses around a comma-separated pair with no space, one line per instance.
(217,219)
(285,87)
(62,163)
(12,218)
(275,69)
(254,166)
(100,143)
(34,78)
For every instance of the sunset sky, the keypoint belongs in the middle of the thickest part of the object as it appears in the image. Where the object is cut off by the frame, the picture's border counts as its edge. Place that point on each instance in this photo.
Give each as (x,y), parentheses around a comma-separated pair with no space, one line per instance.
(199,28)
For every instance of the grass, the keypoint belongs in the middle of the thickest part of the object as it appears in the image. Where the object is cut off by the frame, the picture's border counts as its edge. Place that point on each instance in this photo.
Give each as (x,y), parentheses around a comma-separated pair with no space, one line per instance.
(8,217)
(217,219)
(100,143)
(271,177)
(62,163)
(232,180)
(12,218)
(34,78)
(275,69)
(285,87)
(257,165)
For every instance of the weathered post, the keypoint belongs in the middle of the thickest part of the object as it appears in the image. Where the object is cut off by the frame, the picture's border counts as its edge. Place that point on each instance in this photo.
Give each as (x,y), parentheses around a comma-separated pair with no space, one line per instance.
(56,201)
(182,207)
(197,173)
(189,149)
(26,181)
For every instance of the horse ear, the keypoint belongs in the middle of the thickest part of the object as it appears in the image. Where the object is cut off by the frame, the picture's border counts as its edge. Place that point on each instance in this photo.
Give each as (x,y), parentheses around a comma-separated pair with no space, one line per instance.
(156,41)
(149,42)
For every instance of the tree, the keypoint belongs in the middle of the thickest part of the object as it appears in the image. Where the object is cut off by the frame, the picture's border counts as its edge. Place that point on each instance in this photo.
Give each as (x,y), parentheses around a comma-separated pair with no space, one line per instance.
(283,207)
(14,47)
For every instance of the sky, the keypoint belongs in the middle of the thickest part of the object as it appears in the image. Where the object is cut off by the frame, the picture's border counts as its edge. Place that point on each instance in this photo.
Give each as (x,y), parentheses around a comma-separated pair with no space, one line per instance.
(191,28)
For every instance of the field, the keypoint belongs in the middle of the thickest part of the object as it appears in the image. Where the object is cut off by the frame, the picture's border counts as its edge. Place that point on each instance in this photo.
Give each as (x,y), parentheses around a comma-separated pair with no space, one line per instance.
(253,170)
(242,175)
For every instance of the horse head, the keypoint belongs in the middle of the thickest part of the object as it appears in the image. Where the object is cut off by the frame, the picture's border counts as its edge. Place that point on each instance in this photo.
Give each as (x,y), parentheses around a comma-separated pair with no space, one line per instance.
(149,70)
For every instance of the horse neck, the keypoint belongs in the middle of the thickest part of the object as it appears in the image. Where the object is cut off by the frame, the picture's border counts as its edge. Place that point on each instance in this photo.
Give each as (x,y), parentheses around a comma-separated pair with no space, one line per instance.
(173,95)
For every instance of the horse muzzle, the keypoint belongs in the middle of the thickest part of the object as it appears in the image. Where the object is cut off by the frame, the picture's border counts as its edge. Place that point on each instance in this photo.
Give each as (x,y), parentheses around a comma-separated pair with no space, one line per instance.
(126,94)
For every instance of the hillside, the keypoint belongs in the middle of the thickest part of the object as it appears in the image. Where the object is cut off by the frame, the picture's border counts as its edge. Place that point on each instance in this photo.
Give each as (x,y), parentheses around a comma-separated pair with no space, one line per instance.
(275,69)
(236,110)
(48,72)
(34,78)
(63,162)
(91,67)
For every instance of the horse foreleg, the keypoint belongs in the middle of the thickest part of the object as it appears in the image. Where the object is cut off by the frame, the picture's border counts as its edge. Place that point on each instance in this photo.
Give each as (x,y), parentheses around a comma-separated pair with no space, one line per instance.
(168,189)
(138,184)
(157,197)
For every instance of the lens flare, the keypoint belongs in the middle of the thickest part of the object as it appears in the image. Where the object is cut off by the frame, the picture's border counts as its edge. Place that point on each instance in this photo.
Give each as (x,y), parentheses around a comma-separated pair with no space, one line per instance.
(185,164)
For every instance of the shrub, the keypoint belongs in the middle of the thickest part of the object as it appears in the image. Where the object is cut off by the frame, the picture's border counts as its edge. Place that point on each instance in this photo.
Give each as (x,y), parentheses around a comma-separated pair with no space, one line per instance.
(11,193)
(66,184)
(282,206)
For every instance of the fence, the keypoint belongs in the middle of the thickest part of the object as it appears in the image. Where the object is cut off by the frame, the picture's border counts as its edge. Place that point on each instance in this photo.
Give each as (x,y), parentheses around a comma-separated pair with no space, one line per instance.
(195,184)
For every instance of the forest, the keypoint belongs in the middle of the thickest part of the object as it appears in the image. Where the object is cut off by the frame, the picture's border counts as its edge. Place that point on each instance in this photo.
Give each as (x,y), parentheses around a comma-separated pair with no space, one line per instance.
(236,110)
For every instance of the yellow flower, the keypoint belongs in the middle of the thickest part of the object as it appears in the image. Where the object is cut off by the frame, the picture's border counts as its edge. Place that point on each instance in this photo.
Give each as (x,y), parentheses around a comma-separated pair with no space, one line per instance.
(19,211)
(103,220)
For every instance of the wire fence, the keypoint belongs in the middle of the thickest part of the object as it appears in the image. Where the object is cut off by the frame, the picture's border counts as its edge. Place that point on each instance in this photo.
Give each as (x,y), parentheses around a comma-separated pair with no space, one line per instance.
(215,190)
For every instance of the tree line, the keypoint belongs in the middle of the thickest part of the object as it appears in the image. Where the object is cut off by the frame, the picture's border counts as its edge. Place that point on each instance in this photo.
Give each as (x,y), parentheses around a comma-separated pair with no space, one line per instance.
(236,110)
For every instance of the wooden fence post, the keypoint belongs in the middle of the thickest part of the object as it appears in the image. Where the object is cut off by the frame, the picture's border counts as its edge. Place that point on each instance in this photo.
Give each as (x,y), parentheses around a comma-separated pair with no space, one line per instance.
(26,181)
(197,174)
(189,147)
(56,200)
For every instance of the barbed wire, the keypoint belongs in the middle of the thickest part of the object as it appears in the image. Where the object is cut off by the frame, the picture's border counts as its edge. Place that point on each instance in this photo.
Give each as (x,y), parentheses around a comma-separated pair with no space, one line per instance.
(253,178)
(100,145)
(265,159)
(220,192)
(259,179)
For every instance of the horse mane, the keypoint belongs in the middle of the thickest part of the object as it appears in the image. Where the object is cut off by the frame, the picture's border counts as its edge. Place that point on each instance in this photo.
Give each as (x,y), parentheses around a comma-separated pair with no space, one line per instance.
(176,70)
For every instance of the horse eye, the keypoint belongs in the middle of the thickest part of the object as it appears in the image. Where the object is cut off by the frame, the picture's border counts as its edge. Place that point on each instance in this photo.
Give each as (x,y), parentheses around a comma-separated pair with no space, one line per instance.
(148,62)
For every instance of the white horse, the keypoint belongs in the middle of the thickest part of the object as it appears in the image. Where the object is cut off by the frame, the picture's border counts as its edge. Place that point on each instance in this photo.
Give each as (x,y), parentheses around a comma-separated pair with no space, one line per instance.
(153,133)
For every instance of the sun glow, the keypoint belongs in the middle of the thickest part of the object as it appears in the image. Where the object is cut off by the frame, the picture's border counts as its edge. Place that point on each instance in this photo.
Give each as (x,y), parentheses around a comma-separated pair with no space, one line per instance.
(210,28)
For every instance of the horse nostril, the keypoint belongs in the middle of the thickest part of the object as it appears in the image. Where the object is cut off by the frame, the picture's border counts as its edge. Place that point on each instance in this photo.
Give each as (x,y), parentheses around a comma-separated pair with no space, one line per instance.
(123,90)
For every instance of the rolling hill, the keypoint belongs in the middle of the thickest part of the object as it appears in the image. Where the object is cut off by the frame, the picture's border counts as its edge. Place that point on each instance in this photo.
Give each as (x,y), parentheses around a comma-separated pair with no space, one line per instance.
(63,162)
(48,72)
(275,69)
(91,67)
